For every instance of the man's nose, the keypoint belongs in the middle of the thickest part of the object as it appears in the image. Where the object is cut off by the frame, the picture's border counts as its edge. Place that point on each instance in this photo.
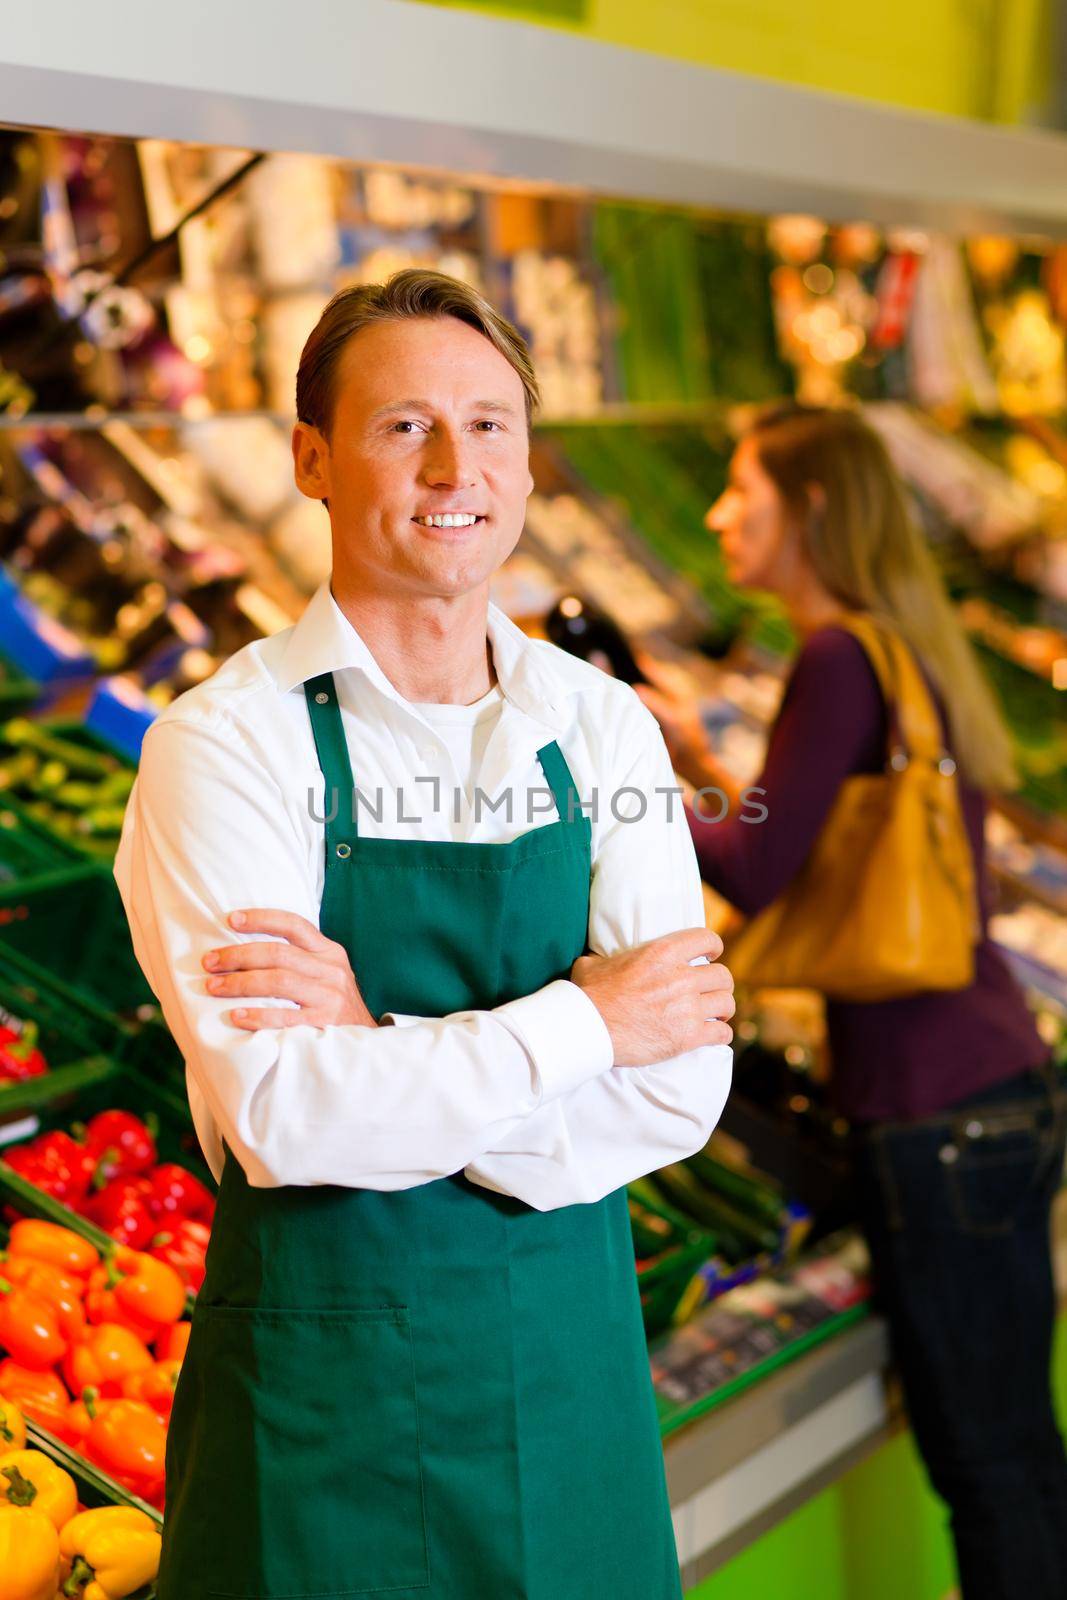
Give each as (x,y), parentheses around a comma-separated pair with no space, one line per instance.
(447,462)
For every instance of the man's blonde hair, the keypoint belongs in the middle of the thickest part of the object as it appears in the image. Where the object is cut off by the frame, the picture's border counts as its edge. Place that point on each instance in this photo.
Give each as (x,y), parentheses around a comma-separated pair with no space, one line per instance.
(415,292)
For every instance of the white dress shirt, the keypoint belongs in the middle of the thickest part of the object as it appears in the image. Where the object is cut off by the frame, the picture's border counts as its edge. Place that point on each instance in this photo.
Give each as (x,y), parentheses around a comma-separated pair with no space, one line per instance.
(226,814)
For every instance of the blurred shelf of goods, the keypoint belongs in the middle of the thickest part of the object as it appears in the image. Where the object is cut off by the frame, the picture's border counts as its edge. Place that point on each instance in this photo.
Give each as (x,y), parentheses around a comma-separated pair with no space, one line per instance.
(154,299)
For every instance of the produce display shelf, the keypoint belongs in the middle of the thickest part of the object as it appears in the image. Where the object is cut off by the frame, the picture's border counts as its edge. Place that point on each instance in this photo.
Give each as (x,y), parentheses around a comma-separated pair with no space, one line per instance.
(80,1042)
(17,691)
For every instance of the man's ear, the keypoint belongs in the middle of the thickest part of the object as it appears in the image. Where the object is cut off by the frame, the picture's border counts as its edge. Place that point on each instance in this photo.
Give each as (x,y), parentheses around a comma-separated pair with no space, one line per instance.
(311,461)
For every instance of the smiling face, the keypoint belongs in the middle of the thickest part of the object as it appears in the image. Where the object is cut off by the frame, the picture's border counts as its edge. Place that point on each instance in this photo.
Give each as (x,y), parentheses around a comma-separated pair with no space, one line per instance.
(758,542)
(427,467)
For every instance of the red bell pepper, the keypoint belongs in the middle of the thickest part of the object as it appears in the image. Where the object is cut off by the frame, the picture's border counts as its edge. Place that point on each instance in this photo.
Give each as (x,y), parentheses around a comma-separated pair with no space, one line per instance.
(177,1193)
(123,1145)
(122,1209)
(183,1246)
(55,1163)
(19,1055)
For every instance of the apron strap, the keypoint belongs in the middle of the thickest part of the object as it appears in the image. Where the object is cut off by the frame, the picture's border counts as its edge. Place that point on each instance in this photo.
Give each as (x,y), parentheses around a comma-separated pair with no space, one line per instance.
(339,799)
(332,748)
(555,768)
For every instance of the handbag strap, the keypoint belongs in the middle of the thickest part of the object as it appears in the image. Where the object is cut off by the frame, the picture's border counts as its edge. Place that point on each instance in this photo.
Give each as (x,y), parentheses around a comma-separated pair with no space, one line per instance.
(914,725)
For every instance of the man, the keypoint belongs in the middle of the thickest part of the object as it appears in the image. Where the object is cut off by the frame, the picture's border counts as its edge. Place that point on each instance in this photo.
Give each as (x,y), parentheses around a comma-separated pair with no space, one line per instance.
(417,1363)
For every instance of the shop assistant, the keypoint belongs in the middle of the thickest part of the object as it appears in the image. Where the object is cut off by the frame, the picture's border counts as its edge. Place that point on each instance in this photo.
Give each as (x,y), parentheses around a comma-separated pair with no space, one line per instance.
(434,1051)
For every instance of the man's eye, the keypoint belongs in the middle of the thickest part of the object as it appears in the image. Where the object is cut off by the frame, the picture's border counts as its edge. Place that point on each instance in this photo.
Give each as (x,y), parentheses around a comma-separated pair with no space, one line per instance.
(487,423)
(405,426)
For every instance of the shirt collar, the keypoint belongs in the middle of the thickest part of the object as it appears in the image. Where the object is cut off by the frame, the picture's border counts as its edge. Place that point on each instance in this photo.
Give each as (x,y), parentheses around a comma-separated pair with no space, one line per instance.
(324,640)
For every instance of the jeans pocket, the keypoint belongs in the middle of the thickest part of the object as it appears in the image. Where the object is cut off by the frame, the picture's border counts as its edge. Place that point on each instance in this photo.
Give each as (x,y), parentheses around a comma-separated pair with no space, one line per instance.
(306,1476)
(997,1164)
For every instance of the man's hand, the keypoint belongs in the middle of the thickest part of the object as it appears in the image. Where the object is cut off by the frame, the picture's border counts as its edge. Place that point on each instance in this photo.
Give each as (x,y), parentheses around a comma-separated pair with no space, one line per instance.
(310,969)
(654,1003)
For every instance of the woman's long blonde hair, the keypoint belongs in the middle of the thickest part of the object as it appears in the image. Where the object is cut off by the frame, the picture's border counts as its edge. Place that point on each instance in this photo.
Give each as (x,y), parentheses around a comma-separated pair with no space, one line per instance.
(868,551)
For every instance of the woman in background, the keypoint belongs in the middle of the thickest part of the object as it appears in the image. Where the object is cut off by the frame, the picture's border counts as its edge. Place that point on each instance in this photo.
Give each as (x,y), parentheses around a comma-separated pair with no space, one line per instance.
(959,1123)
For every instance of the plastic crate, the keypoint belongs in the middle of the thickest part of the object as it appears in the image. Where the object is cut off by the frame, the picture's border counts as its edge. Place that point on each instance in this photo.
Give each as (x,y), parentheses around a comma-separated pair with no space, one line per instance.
(82,1044)
(76,733)
(71,920)
(28,847)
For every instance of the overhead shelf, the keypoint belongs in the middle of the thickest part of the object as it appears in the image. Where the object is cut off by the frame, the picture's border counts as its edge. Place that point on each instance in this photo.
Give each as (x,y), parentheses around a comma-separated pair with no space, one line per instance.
(451,91)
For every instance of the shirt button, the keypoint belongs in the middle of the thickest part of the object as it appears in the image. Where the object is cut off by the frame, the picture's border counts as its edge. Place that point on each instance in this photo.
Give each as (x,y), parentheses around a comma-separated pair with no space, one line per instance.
(321,698)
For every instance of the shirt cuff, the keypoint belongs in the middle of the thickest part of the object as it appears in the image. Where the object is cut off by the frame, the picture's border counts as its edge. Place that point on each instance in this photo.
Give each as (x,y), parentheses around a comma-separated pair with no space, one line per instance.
(563,1032)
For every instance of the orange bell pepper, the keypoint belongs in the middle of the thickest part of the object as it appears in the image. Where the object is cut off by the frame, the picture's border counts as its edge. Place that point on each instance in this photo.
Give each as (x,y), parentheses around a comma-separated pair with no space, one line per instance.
(59,1288)
(12,1426)
(137,1290)
(103,1357)
(41,1396)
(128,1440)
(155,1386)
(61,1247)
(29,1328)
(29,1555)
(174,1342)
(30,1478)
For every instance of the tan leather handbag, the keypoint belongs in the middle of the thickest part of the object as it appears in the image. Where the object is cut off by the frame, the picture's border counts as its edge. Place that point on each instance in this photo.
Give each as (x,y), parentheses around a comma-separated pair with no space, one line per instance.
(885,904)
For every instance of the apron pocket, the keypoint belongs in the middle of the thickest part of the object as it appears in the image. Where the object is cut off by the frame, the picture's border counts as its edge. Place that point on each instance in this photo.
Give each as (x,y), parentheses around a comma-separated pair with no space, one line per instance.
(309,1479)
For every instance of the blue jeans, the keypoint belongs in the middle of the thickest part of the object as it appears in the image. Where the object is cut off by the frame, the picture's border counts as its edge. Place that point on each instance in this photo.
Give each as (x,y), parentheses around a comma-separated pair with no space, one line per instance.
(956,1211)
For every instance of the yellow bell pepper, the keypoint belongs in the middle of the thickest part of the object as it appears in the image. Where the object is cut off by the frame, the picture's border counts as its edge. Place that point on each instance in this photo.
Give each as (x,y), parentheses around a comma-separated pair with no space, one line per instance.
(12,1426)
(29,1478)
(108,1553)
(29,1555)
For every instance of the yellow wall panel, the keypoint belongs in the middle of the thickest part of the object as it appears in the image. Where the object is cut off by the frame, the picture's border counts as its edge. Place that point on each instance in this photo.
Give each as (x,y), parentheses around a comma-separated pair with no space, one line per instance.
(973,58)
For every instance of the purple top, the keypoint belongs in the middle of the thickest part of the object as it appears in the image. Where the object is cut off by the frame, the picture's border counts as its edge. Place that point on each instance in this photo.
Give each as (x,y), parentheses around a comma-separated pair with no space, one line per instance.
(894,1060)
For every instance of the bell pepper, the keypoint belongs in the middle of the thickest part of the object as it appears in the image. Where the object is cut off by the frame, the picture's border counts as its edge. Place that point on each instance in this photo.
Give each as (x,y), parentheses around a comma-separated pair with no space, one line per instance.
(12,1426)
(59,1150)
(19,1055)
(178,1193)
(29,1328)
(136,1290)
(42,1396)
(183,1246)
(128,1440)
(122,1144)
(174,1342)
(122,1209)
(30,1478)
(58,1288)
(79,1418)
(103,1357)
(61,1247)
(50,1176)
(155,1386)
(108,1553)
(29,1555)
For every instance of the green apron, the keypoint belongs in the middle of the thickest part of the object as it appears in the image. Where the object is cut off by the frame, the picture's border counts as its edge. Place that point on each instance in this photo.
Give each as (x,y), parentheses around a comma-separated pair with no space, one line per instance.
(435,1392)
